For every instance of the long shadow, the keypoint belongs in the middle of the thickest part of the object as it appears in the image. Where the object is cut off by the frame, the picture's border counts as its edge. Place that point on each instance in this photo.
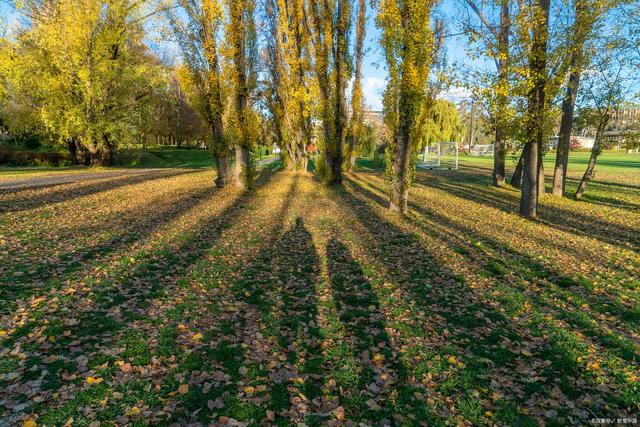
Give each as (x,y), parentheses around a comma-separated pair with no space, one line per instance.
(48,270)
(561,219)
(525,264)
(403,259)
(445,302)
(132,289)
(360,184)
(568,292)
(64,193)
(380,371)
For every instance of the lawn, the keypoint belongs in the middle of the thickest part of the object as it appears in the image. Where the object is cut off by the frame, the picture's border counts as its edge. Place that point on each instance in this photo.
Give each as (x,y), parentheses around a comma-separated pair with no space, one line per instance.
(163,300)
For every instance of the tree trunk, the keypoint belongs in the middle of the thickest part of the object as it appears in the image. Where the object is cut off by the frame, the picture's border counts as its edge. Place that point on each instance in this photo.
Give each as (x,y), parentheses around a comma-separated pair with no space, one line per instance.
(535,111)
(566,124)
(353,158)
(499,159)
(595,152)
(335,155)
(224,173)
(399,171)
(72,146)
(529,195)
(541,181)
(242,173)
(516,179)
(500,151)
(242,164)
(107,154)
(356,98)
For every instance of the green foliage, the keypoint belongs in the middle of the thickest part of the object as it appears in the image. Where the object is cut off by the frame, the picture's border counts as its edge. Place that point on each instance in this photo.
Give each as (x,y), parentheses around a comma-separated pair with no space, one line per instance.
(249,172)
(439,121)
(90,84)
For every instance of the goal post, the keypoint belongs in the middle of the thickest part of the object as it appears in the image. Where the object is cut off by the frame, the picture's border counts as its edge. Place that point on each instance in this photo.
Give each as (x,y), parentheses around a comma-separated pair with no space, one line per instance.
(481,150)
(440,155)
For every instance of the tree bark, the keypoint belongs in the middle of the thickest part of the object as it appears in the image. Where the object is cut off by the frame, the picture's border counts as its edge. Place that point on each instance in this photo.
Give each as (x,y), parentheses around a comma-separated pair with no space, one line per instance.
(566,125)
(225,174)
(399,170)
(595,152)
(72,146)
(535,111)
(516,179)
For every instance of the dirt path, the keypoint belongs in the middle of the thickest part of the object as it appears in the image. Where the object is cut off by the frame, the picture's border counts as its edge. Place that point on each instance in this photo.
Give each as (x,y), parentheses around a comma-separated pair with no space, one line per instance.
(66,178)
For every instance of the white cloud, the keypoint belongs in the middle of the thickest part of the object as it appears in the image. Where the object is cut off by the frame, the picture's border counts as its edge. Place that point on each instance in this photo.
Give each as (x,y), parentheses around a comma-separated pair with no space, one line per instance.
(372,88)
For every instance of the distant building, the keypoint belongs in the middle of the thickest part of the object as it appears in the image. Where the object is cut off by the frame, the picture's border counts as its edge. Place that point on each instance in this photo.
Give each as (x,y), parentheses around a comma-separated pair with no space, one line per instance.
(574,143)
(372,117)
(626,116)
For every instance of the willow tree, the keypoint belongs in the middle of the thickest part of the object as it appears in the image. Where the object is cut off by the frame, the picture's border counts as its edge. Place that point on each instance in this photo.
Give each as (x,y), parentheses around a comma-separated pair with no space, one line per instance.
(287,88)
(439,121)
(356,128)
(197,27)
(331,22)
(408,44)
(241,36)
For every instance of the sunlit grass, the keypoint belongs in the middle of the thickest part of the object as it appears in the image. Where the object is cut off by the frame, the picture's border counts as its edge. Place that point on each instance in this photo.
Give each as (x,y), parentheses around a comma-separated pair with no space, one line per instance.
(164,300)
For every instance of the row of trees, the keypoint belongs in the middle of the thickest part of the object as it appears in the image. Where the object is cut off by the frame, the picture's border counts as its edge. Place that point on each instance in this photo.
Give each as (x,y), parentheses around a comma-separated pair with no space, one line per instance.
(549,57)
(79,73)
(284,66)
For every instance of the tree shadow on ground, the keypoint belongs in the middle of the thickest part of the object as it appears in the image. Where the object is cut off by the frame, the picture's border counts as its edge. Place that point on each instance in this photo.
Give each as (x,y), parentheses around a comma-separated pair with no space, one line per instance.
(16,200)
(461,238)
(452,319)
(49,268)
(104,314)
(514,271)
(553,216)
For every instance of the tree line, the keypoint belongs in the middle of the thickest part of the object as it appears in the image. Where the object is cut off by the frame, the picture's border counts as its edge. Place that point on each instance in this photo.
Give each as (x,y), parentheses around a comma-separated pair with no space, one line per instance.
(83,72)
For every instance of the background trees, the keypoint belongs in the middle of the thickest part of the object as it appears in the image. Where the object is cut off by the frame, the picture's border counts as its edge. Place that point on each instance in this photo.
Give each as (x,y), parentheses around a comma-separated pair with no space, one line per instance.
(356,128)
(87,87)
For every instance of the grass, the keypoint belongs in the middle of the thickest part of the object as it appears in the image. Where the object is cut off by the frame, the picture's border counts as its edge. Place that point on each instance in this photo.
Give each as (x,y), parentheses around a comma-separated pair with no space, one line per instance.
(161,300)
(166,158)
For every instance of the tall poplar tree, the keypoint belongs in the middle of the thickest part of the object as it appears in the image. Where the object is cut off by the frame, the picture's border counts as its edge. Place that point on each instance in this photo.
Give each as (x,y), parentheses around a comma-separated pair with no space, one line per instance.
(288,85)
(330,26)
(408,44)
(197,29)
(356,96)
(241,36)
(536,101)
(495,44)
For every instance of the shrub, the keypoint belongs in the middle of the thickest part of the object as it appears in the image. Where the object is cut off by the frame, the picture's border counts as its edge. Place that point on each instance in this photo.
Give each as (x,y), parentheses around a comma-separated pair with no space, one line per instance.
(30,158)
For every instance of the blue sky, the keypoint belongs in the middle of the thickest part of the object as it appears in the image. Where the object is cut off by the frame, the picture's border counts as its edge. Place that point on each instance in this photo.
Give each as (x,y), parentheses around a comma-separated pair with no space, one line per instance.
(374,74)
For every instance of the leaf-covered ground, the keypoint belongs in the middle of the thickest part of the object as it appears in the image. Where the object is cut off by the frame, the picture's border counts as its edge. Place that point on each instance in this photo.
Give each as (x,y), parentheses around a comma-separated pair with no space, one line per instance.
(159,300)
